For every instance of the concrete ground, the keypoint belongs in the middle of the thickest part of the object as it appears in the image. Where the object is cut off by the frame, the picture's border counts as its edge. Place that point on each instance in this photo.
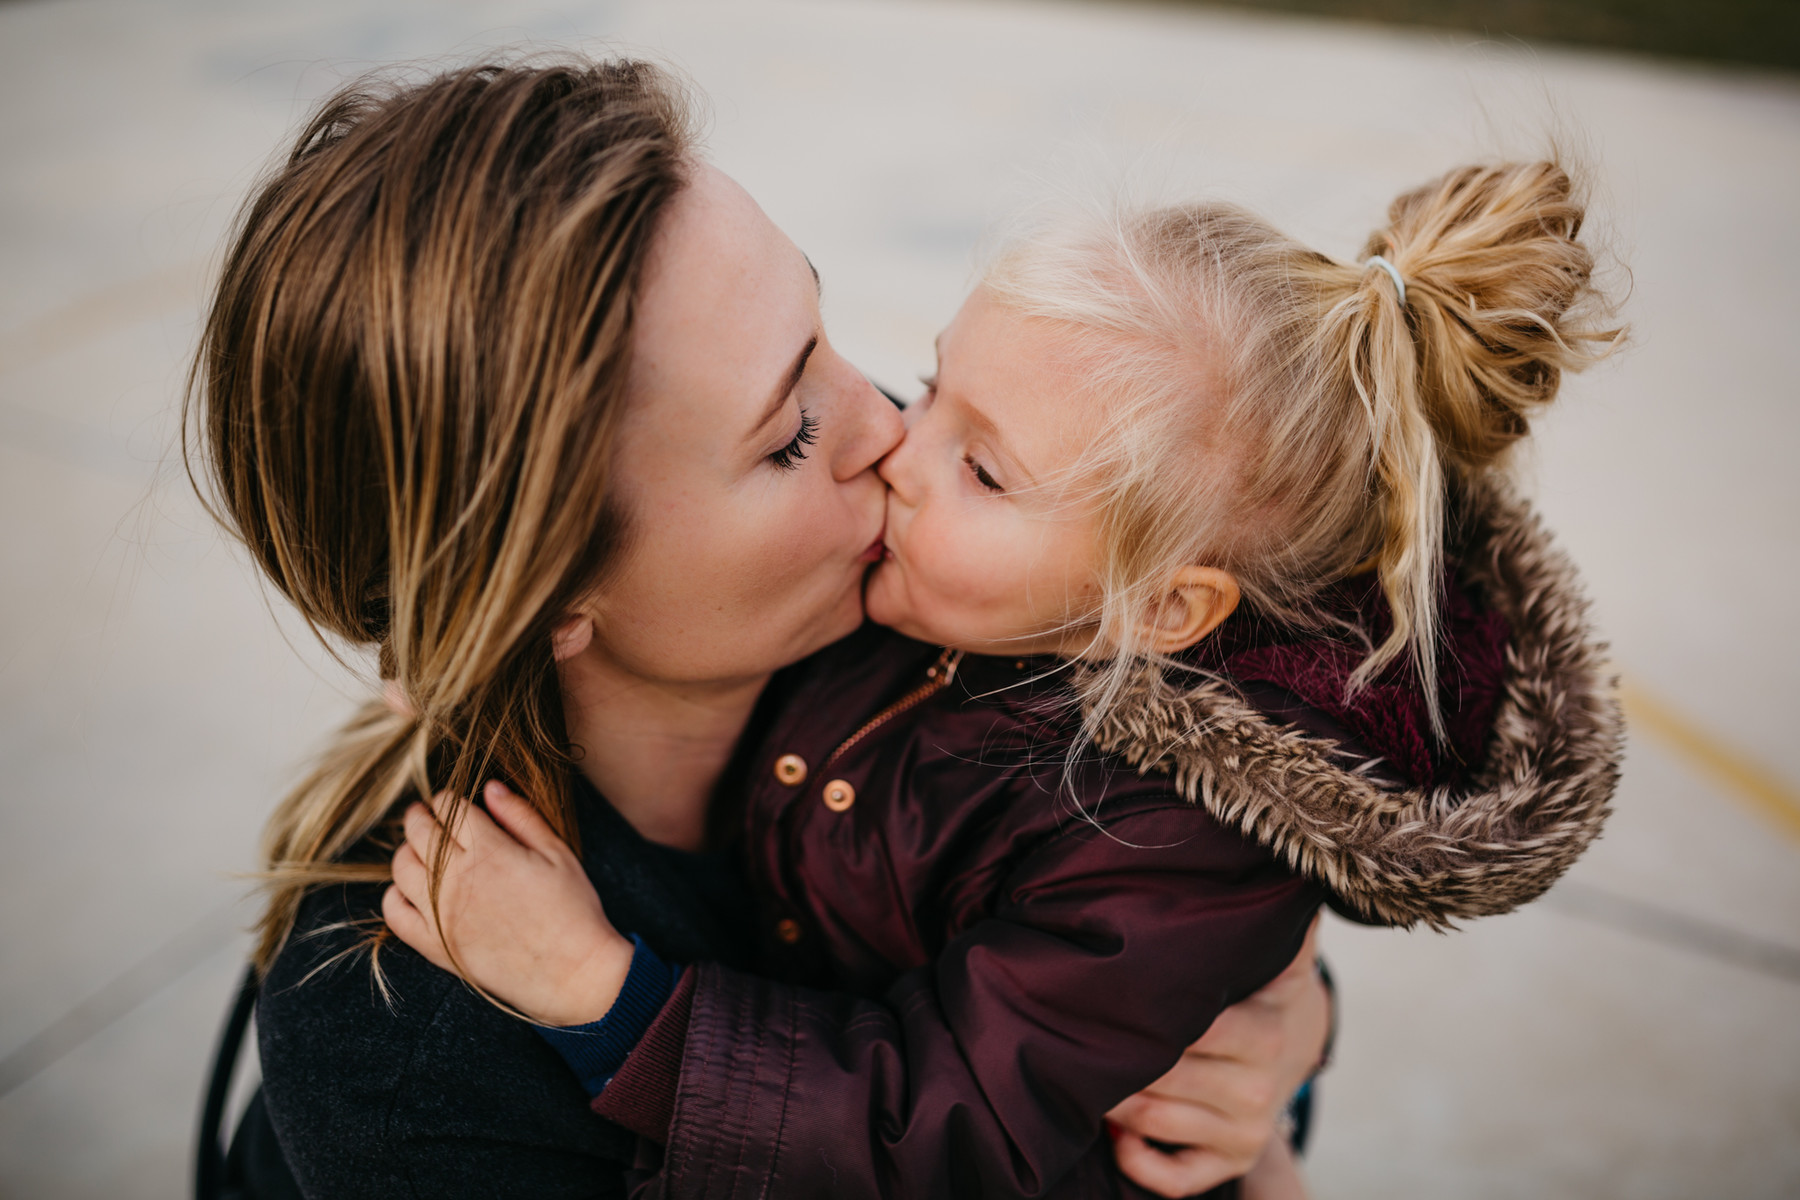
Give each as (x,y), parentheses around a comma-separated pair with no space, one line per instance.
(1634,1035)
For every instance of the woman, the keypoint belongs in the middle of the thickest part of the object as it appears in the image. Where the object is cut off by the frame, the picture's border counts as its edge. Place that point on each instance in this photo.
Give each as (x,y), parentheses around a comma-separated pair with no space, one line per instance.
(505,383)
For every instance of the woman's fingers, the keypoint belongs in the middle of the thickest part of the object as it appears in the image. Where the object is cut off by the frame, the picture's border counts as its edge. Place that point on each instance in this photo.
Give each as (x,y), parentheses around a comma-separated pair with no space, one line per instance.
(1166,1120)
(1222,1101)
(1250,1032)
(1184,1173)
(1276,1176)
(1235,1139)
(1235,1089)
(1305,962)
(1280,1030)
(515,815)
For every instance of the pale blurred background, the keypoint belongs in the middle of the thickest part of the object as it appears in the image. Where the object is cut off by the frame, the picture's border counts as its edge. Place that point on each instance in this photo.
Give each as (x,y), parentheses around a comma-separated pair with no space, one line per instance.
(1636,1034)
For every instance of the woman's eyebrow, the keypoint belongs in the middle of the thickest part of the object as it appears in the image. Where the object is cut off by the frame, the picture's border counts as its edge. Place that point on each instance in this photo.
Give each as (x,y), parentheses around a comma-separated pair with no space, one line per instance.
(788,384)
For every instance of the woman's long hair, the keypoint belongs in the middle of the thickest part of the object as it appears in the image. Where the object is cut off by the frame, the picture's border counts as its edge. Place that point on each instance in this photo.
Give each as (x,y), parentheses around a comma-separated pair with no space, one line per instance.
(405,403)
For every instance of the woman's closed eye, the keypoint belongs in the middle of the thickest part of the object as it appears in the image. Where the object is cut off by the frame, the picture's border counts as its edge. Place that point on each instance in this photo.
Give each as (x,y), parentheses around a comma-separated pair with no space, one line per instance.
(793,454)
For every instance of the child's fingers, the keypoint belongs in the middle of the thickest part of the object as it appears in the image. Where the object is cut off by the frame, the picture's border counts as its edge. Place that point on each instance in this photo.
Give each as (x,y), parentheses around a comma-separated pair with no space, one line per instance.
(425,823)
(1186,1172)
(514,814)
(422,832)
(407,922)
(411,926)
(465,821)
(411,877)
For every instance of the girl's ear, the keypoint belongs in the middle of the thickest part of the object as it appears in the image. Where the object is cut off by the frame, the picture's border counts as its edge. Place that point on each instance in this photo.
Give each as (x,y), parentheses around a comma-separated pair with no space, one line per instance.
(1193,604)
(571,636)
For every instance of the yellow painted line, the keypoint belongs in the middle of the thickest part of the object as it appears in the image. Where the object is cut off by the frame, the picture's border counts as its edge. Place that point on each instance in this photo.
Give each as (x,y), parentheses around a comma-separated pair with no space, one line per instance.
(1755,785)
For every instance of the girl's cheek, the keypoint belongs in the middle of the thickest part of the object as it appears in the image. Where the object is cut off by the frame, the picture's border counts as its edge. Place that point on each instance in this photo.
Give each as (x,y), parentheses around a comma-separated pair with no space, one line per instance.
(977,565)
(938,565)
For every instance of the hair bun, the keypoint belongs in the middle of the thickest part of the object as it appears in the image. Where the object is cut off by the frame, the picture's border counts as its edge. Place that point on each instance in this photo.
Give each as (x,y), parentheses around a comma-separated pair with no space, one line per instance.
(1501,299)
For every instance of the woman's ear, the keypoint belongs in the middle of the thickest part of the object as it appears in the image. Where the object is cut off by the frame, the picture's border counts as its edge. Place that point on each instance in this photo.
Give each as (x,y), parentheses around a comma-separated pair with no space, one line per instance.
(572,635)
(1193,604)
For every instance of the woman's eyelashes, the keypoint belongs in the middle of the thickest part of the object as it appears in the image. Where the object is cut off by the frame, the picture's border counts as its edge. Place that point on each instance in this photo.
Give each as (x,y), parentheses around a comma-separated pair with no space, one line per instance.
(793,454)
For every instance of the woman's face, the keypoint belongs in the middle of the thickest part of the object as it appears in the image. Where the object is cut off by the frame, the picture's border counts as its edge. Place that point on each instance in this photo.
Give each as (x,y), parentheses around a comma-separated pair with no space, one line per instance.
(985,549)
(746,458)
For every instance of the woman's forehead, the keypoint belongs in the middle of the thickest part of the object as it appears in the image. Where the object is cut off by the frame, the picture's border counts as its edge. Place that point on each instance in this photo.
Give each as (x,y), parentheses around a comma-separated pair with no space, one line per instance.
(726,304)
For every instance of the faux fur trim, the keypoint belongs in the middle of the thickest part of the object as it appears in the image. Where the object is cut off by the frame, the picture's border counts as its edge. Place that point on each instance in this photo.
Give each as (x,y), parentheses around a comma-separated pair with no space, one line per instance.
(1418,856)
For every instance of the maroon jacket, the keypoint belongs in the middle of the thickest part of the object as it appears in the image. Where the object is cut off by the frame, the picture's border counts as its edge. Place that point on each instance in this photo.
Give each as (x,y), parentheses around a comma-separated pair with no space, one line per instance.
(983,949)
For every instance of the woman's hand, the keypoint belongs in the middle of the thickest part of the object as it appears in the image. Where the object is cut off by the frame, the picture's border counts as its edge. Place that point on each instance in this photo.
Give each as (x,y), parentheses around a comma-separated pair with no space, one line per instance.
(515,906)
(1224,1102)
(1276,1176)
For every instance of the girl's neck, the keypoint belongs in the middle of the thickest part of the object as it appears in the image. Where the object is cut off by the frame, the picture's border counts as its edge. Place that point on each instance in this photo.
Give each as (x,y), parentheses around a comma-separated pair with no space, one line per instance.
(655,749)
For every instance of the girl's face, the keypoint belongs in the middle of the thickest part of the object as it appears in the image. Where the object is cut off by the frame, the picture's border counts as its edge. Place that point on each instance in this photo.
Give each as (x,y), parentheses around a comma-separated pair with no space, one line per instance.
(984,550)
(746,460)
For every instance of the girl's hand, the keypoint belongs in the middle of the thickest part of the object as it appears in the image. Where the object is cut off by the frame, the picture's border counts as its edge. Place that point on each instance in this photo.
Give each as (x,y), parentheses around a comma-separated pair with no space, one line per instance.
(1225,1101)
(514,904)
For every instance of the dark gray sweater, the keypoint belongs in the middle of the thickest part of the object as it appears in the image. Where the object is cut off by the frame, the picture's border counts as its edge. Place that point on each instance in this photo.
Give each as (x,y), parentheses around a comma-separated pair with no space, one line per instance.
(442,1094)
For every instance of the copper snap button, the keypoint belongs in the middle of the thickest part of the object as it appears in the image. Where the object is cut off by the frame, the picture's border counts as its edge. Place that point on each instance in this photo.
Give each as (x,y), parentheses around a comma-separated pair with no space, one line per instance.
(791,770)
(788,930)
(839,795)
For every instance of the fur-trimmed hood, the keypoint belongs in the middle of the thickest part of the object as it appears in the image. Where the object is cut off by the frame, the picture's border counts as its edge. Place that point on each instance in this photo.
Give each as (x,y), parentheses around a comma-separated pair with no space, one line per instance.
(1419,855)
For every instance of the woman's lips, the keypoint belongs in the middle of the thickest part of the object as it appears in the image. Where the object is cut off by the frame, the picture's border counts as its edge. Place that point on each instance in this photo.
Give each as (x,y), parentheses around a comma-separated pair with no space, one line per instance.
(875,553)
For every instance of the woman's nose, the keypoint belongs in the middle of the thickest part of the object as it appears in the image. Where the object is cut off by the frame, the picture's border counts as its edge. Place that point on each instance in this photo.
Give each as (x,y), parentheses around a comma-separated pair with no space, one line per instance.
(877,430)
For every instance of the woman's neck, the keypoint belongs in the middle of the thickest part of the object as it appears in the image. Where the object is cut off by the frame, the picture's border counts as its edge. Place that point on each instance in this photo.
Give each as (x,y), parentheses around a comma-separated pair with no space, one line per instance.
(654,749)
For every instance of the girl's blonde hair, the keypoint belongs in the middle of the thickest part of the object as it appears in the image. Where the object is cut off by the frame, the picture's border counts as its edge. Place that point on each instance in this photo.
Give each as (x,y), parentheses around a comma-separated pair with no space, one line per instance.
(1288,417)
(405,402)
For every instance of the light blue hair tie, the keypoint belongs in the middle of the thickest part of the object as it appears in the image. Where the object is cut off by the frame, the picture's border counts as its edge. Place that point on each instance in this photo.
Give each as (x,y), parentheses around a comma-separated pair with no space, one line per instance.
(1375,260)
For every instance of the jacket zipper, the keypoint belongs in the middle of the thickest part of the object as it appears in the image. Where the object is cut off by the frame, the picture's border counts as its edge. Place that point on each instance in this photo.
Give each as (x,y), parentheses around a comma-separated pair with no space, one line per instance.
(937,678)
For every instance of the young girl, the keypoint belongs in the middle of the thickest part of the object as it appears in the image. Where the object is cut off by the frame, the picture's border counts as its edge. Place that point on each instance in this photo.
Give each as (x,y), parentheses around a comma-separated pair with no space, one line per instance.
(1206,601)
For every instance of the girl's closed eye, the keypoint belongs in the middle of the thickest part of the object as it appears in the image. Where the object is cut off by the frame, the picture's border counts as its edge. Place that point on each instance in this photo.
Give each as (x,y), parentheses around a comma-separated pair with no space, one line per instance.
(790,456)
(981,474)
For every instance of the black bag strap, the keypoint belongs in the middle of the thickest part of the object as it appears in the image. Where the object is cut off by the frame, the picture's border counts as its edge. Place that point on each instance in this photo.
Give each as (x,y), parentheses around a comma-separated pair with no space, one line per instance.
(209,1155)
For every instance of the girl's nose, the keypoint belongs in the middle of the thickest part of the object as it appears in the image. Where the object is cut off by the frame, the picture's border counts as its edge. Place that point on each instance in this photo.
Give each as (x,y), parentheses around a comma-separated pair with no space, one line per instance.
(896,471)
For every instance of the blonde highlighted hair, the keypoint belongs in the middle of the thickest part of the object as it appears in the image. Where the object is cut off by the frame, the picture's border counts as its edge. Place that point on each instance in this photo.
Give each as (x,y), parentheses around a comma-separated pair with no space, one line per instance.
(405,403)
(1288,417)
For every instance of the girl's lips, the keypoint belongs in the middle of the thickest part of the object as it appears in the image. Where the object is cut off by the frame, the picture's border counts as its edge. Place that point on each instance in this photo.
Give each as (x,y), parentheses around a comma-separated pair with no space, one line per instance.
(875,553)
